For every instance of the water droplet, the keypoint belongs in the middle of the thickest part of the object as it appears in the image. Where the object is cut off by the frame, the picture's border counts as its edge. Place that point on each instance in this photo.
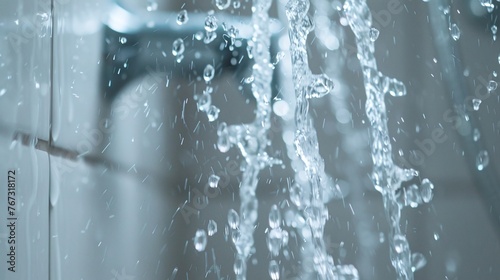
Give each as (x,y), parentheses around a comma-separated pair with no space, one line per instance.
(492,85)
(182,17)
(209,37)
(482,160)
(455,32)
(236,4)
(204,102)
(249,80)
(213,181)
(213,113)
(2,92)
(476,135)
(494,29)
(200,240)
(274,270)
(222,4)
(401,244)
(413,196)
(418,261)
(488,5)
(296,195)
(381,237)
(211,23)
(476,103)
(250,47)
(123,40)
(394,87)
(285,238)
(279,56)
(436,236)
(212,227)
(320,86)
(223,142)
(426,190)
(239,266)
(233,219)
(373,34)
(274,217)
(274,241)
(178,47)
(152,6)
(208,73)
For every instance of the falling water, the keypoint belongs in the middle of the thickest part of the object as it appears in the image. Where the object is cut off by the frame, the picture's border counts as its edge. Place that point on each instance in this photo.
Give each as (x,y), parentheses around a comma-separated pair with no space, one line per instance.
(386,176)
(309,86)
(251,139)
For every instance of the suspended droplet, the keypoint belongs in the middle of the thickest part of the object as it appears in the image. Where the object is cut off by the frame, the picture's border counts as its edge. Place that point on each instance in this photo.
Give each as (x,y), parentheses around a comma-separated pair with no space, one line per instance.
(492,85)
(274,217)
(198,35)
(211,23)
(285,238)
(208,73)
(233,219)
(455,32)
(209,37)
(426,190)
(400,244)
(212,227)
(373,34)
(250,51)
(123,40)
(476,135)
(200,240)
(381,237)
(178,47)
(213,113)
(413,196)
(274,241)
(296,195)
(436,236)
(482,160)
(213,181)
(249,80)
(204,102)
(418,261)
(476,103)
(233,33)
(222,4)
(2,92)
(182,17)
(223,141)
(320,86)
(274,270)
(279,57)
(395,87)
(152,6)
(488,5)
(240,265)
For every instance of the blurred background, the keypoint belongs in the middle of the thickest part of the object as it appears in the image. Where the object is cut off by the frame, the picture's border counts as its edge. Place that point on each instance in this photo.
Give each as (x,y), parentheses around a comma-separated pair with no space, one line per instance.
(98,118)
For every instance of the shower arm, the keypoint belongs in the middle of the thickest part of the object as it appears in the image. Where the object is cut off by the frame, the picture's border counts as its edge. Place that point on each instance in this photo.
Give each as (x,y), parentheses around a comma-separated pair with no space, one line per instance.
(486,180)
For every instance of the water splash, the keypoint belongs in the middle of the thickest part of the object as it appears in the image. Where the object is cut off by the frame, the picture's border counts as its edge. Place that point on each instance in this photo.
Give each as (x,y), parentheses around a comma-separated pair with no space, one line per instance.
(251,139)
(310,197)
(386,176)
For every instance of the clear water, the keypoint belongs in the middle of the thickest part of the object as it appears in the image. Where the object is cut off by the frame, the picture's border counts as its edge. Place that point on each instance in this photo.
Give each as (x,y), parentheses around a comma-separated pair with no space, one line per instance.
(387,177)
